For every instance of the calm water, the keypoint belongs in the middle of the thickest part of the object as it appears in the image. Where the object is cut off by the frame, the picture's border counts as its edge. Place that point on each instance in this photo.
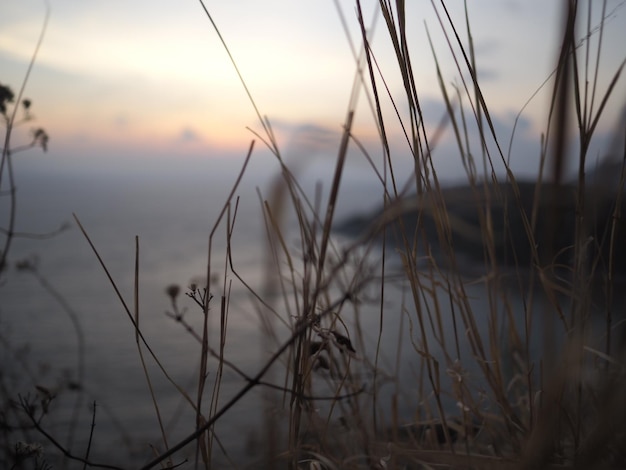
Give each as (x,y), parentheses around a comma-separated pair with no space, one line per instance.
(172,210)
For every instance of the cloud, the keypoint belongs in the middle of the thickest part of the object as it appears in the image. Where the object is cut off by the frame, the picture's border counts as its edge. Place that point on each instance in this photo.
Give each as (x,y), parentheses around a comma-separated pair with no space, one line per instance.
(305,139)
(188,135)
(121,122)
(311,138)
(524,149)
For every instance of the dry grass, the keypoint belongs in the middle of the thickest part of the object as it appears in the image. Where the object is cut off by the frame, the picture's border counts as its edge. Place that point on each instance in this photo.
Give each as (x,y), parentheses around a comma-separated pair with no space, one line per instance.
(517,380)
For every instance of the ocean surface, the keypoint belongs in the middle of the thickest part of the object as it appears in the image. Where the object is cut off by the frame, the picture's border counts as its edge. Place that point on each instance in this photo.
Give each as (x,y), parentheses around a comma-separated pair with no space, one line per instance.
(172,208)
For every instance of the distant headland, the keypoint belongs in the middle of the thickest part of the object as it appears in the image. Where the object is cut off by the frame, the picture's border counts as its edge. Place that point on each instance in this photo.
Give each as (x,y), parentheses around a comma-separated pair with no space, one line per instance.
(522,223)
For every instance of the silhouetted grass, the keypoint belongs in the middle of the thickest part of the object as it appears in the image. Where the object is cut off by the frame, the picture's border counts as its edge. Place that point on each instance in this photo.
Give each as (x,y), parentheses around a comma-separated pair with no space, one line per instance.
(518,380)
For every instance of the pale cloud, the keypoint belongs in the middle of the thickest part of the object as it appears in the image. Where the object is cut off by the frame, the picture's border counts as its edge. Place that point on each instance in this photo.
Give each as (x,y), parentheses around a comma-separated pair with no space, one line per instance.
(188,135)
(121,121)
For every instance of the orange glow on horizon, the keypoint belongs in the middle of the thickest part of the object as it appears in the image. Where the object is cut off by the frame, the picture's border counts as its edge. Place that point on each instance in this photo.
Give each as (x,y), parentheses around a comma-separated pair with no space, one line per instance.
(163,80)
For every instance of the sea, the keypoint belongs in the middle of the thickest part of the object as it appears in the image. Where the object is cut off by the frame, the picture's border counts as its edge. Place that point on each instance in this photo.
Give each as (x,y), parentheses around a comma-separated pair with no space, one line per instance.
(69,346)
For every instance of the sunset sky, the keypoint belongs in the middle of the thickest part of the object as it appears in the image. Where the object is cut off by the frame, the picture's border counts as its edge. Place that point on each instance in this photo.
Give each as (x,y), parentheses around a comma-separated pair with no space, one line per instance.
(146,77)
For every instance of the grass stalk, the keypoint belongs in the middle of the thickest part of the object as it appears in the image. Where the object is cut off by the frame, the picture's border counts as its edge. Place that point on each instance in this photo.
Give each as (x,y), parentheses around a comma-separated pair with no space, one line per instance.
(464,385)
(155,402)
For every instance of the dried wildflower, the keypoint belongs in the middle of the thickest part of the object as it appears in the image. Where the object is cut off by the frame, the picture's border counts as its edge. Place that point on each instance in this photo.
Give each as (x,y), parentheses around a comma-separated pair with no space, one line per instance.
(316,346)
(25,449)
(74,386)
(24,265)
(343,342)
(463,407)
(196,283)
(6,96)
(172,291)
(45,392)
(26,103)
(41,138)
(456,372)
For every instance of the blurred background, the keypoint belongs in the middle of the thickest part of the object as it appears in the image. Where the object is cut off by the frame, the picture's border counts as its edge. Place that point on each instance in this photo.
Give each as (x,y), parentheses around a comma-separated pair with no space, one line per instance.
(149,126)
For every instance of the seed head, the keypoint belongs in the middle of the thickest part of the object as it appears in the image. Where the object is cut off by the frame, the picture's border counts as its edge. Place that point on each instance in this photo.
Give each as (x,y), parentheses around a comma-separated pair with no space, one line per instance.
(172,291)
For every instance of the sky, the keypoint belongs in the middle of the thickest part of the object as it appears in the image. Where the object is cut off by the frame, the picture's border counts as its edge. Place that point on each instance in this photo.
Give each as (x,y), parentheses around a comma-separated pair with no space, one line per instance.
(151,78)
